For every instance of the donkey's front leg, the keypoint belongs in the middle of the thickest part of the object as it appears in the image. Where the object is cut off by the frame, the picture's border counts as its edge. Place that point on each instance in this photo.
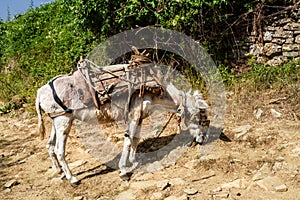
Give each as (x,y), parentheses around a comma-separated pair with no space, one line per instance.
(124,156)
(134,144)
(130,143)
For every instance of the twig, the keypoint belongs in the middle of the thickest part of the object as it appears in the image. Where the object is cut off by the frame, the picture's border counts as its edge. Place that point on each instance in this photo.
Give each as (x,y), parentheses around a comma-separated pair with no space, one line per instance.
(276,101)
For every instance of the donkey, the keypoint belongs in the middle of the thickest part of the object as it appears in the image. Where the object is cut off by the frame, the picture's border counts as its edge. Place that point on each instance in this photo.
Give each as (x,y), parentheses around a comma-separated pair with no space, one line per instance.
(64,103)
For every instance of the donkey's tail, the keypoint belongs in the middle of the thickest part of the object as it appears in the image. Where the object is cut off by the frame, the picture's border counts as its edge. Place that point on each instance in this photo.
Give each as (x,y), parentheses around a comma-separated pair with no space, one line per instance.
(41,126)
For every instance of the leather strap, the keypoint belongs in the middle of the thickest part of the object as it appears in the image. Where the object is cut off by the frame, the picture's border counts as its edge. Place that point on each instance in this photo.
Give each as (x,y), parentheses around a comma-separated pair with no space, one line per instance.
(57,99)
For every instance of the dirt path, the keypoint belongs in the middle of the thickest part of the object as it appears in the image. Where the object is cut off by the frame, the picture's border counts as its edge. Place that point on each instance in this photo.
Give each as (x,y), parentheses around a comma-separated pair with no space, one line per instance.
(261,162)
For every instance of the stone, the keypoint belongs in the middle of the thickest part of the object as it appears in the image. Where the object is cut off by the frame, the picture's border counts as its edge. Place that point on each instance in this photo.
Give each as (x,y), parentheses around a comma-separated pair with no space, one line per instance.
(171,198)
(124,185)
(209,157)
(277,60)
(279,159)
(77,163)
(262,172)
(162,185)
(234,160)
(272,48)
(156,196)
(79,198)
(268,36)
(290,47)
(269,183)
(222,195)
(258,113)
(241,130)
(275,113)
(278,40)
(292,26)
(183,197)
(261,59)
(279,32)
(218,189)
(296,151)
(289,40)
(190,191)
(277,166)
(143,184)
(291,54)
(208,175)
(155,166)
(297,39)
(270,28)
(177,181)
(7,190)
(56,180)
(255,50)
(128,195)
(282,21)
(281,188)
(233,184)
(141,176)
(192,164)
(11,183)
(295,26)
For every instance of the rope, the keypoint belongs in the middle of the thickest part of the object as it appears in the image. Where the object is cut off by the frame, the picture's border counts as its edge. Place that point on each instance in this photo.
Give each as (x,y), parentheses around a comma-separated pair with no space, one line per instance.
(163,128)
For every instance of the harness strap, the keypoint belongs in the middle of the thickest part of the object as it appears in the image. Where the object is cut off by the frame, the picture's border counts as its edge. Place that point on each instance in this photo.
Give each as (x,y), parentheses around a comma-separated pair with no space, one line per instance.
(57,99)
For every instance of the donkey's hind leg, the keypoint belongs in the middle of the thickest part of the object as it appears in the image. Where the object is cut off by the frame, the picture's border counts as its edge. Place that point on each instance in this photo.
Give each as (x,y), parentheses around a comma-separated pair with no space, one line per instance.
(62,129)
(50,146)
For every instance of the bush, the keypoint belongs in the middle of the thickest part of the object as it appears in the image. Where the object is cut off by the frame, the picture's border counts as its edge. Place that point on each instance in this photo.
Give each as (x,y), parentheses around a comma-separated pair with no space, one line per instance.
(39,45)
(49,40)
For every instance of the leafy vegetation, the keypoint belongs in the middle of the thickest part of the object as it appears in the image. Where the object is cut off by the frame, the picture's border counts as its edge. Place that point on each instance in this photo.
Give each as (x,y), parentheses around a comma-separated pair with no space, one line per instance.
(39,45)
(49,40)
(260,77)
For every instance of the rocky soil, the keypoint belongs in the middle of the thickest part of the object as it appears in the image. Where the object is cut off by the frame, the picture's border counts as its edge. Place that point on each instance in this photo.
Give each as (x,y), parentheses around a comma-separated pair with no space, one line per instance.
(261,162)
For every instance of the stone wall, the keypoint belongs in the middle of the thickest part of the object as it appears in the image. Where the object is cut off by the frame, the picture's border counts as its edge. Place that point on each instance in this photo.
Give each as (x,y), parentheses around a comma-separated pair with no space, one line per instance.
(280,42)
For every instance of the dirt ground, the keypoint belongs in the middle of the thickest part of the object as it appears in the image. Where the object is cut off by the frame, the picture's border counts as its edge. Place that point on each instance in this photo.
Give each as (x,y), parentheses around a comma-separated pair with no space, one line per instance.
(261,162)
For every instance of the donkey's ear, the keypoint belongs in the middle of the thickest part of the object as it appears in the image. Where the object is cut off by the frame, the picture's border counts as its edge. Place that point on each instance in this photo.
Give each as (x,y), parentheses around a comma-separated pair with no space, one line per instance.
(196,93)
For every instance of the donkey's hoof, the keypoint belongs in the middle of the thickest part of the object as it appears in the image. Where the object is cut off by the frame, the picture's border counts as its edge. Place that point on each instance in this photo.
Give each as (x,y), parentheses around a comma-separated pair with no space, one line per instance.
(63,176)
(201,139)
(74,182)
(126,177)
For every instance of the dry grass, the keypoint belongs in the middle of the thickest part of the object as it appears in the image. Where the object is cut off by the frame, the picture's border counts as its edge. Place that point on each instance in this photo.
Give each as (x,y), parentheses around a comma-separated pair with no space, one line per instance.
(264,88)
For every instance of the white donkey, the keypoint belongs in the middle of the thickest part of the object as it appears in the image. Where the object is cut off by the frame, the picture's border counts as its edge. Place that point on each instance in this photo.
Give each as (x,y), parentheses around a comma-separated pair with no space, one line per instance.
(63,102)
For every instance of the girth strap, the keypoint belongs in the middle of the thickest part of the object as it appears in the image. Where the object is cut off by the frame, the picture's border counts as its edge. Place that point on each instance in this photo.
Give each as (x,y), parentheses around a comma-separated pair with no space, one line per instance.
(57,99)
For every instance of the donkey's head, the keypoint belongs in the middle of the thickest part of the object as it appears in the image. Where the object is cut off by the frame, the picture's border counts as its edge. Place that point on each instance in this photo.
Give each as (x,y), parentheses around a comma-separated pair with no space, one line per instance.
(193,112)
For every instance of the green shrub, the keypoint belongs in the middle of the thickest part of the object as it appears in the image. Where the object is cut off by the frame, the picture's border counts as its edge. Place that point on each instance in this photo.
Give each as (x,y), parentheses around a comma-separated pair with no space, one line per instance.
(49,40)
